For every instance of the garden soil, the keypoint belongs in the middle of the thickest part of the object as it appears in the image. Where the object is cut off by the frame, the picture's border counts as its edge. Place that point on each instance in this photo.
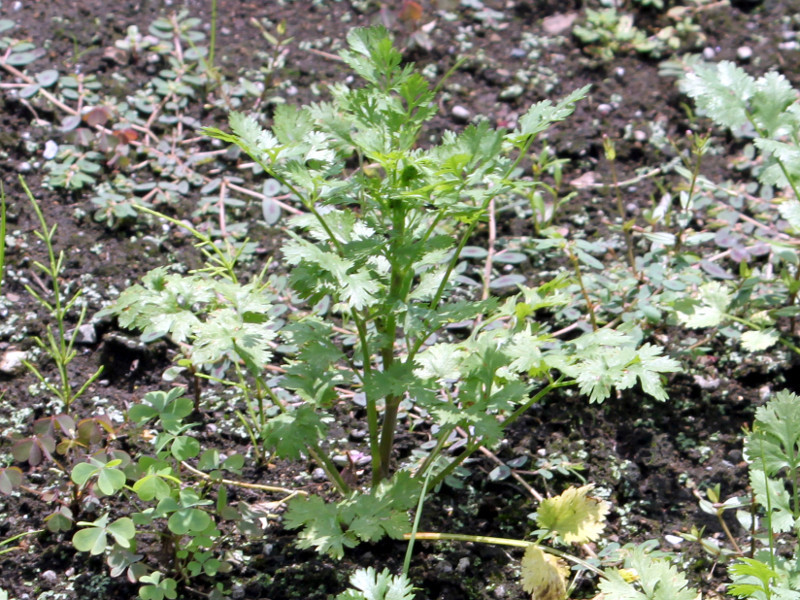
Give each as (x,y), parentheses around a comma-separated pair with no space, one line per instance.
(649,458)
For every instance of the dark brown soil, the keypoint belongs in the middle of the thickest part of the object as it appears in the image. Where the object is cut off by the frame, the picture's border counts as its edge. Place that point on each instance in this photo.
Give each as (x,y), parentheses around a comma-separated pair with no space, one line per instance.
(648,456)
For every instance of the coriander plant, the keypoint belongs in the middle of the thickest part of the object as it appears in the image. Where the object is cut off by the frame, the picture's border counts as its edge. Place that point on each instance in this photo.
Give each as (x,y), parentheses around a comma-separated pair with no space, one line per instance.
(382,231)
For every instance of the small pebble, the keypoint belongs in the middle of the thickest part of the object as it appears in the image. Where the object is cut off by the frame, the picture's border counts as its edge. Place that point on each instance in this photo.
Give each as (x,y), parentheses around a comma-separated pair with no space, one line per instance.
(619,73)
(744,52)
(788,46)
(708,53)
(640,136)
(463,565)
(50,150)
(735,456)
(444,568)
(87,335)
(358,434)
(318,474)
(512,92)
(673,539)
(604,108)
(518,53)
(24,167)
(49,577)
(460,113)
(11,362)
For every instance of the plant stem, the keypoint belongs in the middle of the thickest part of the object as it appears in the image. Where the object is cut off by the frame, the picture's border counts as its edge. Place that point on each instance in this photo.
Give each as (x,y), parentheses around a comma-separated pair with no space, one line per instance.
(250,486)
(483,539)
(577,267)
(611,156)
(415,526)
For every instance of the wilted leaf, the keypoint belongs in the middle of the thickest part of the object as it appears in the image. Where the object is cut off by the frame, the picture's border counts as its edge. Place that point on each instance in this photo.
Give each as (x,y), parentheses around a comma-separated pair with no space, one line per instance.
(543,576)
(574,516)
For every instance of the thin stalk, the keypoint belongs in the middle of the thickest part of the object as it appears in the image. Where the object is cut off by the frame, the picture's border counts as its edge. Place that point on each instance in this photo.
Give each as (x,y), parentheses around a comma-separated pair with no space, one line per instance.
(589,304)
(415,526)
(444,434)
(611,156)
(372,408)
(330,469)
(558,383)
(242,484)
(698,152)
(251,434)
(770,532)
(483,539)
(470,448)
(14,538)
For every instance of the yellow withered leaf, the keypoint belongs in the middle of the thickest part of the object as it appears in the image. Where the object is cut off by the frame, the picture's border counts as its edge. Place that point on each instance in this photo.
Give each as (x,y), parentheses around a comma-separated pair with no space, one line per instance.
(576,517)
(544,576)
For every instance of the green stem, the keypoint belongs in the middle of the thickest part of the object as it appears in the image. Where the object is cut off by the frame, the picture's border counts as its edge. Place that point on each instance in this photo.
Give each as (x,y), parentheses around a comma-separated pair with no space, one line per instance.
(330,469)
(558,383)
(444,434)
(415,526)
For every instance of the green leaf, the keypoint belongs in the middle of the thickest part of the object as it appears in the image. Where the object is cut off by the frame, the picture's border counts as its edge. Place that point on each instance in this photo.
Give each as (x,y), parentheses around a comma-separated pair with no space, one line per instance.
(92,540)
(153,485)
(10,477)
(188,520)
(291,433)
(655,579)
(709,309)
(185,447)
(320,525)
(123,531)
(774,443)
(543,114)
(757,341)
(371,585)
(790,210)
(110,480)
(721,91)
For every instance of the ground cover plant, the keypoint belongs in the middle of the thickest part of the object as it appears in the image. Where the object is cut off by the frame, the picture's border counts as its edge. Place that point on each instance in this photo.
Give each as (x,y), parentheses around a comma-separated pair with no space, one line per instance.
(313,319)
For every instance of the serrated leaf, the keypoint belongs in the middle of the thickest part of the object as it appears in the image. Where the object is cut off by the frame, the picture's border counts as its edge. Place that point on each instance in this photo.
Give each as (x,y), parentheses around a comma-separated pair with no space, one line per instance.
(757,341)
(774,443)
(573,515)
(790,210)
(320,525)
(440,362)
(646,578)
(543,114)
(372,585)
(291,433)
(710,310)
(721,91)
